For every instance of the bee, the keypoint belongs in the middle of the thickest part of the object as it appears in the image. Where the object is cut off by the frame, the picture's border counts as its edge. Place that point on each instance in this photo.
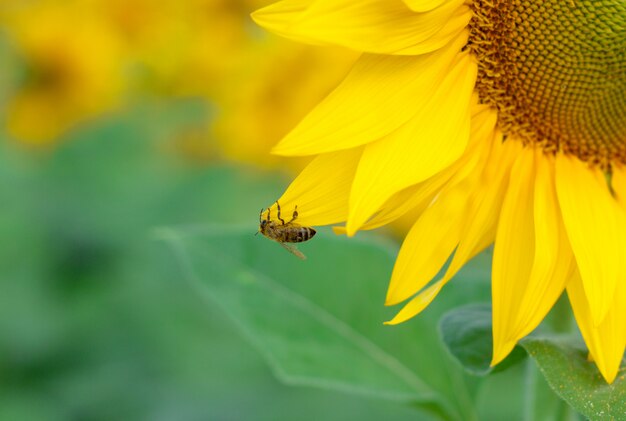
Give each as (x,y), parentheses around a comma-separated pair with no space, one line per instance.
(285,233)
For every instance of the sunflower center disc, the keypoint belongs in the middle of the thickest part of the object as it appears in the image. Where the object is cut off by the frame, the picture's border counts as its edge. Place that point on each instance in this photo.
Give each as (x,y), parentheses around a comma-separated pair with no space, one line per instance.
(556,72)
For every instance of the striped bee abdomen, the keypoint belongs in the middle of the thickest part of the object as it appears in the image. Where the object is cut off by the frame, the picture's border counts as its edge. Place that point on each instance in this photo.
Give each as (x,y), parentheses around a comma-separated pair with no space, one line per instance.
(299,234)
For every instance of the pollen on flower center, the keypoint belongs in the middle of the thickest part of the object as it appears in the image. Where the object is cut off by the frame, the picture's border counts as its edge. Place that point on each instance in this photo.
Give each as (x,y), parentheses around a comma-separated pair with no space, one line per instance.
(556,72)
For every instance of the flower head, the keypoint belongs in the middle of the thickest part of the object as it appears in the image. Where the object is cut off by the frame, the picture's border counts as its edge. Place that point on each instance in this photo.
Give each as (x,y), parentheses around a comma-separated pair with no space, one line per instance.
(496,122)
(71,67)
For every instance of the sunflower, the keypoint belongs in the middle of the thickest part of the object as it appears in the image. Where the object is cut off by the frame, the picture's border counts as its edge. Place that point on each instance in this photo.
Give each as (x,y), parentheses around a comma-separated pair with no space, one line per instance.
(263,97)
(71,69)
(497,122)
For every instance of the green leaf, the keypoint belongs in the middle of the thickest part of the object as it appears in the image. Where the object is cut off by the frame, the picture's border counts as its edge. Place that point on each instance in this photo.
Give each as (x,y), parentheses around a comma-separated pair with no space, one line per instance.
(563,362)
(94,320)
(466,331)
(541,403)
(319,322)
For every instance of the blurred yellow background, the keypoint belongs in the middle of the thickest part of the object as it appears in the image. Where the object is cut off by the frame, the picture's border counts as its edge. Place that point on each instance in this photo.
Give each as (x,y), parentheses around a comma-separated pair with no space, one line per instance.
(73,61)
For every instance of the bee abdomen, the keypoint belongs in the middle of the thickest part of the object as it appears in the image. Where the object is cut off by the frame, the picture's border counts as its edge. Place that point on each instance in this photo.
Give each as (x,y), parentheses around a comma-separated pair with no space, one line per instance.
(300,235)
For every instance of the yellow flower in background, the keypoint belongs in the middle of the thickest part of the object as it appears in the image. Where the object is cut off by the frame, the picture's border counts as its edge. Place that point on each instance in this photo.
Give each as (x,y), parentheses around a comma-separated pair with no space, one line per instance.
(212,48)
(494,121)
(83,58)
(261,103)
(180,48)
(71,66)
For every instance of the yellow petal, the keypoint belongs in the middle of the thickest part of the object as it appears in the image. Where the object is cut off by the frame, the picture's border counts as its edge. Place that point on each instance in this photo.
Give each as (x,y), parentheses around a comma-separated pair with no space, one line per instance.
(478,220)
(321,190)
(606,341)
(456,25)
(428,245)
(423,5)
(417,304)
(553,261)
(485,204)
(410,199)
(513,253)
(419,196)
(428,143)
(416,198)
(376,98)
(279,18)
(373,26)
(596,229)
(618,182)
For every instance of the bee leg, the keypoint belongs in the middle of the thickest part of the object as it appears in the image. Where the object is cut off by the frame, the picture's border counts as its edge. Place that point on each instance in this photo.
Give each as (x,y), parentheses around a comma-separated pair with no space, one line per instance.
(279,218)
(261,216)
(295,214)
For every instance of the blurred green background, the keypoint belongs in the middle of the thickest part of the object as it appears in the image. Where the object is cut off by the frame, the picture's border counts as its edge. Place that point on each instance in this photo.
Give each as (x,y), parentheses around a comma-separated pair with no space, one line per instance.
(96,320)
(133,164)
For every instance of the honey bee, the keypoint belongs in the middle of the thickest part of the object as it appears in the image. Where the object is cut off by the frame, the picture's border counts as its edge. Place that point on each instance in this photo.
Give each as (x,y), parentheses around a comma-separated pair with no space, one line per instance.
(285,233)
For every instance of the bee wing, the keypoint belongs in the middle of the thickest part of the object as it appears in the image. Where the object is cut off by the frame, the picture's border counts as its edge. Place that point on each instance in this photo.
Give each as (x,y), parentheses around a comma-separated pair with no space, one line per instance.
(293,250)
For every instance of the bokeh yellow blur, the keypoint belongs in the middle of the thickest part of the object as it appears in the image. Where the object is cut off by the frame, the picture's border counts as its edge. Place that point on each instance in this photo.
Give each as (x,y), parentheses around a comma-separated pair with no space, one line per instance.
(77,60)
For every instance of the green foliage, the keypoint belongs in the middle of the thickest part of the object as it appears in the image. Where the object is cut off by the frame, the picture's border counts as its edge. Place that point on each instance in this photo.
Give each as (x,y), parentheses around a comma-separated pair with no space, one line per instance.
(96,321)
(564,364)
(561,360)
(319,322)
(466,331)
(308,332)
